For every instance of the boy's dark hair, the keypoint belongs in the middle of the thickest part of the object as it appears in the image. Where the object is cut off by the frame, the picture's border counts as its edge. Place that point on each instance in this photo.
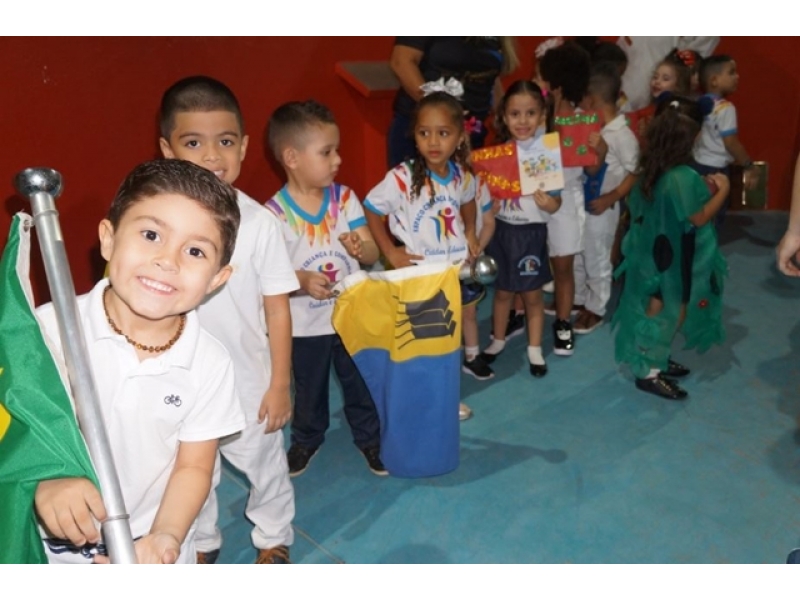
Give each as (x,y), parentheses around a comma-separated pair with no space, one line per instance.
(669,138)
(196,94)
(173,176)
(519,87)
(419,169)
(611,53)
(711,66)
(683,74)
(567,67)
(605,82)
(289,122)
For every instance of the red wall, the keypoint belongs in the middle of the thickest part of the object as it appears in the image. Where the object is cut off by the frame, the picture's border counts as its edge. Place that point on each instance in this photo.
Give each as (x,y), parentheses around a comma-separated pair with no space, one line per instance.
(88,106)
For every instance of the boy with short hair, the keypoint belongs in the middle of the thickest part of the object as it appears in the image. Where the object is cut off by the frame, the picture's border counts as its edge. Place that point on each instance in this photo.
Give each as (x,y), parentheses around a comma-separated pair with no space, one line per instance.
(201,122)
(609,182)
(165,385)
(327,237)
(718,145)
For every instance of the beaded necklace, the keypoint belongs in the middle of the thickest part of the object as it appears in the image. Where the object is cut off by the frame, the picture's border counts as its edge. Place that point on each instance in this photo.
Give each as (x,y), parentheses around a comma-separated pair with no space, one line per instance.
(134,343)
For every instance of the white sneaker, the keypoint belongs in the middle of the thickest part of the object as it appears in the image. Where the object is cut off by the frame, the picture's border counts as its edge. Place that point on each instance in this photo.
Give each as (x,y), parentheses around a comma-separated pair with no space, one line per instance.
(549,288)
(464,412)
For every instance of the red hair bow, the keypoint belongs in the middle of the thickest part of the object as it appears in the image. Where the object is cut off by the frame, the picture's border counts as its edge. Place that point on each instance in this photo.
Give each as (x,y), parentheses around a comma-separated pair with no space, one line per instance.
(687,57)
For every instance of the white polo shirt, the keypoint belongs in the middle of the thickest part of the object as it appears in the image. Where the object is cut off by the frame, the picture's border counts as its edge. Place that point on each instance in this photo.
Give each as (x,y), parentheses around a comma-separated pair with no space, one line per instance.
(235,313)
(149,407)
(622,157)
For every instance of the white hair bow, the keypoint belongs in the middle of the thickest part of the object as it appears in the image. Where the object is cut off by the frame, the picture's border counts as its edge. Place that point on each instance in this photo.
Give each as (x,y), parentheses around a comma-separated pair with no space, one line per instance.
(452,86)
(546,45)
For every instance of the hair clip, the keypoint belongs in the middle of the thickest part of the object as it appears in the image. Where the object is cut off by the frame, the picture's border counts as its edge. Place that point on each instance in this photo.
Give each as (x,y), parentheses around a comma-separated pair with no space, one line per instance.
(675,104)
(687,57)
(452,86)
(546,45)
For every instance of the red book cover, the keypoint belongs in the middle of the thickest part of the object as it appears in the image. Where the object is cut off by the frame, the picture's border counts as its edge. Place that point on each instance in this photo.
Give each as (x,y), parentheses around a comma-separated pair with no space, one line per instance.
(498,166)
(575,129)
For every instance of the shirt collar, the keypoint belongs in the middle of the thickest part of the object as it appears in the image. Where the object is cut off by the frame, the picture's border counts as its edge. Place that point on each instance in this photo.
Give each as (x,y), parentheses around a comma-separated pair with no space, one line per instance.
(180,355)
(616,123)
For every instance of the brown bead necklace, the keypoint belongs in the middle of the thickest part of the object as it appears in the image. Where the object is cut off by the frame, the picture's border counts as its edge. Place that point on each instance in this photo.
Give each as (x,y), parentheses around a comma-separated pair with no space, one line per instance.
(134,343)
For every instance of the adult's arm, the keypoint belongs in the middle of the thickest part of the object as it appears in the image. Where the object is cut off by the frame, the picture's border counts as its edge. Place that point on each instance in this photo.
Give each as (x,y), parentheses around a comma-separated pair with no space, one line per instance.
(404,61)
(790,244)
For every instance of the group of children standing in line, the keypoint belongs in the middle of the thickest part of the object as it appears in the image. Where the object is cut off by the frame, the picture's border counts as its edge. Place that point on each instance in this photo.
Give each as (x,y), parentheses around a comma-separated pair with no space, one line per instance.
(178,237)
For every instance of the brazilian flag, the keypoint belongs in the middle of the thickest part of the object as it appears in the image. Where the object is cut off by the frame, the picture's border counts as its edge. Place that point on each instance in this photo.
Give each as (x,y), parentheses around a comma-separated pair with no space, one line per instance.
(403,330)
(39,436)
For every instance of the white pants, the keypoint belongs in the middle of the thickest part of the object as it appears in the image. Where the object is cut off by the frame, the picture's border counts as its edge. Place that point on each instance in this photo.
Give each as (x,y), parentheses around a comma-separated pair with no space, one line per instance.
(270,507)
(593,268)
(565,226)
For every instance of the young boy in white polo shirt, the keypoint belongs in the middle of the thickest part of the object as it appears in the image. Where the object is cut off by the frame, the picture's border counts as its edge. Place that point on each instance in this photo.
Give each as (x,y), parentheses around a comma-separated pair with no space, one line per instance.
(165,385)
(613,178)
(201,122)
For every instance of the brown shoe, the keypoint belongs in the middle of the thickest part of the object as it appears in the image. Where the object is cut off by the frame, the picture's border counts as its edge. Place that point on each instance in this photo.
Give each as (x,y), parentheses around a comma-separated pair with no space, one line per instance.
(279,555)
(589,321)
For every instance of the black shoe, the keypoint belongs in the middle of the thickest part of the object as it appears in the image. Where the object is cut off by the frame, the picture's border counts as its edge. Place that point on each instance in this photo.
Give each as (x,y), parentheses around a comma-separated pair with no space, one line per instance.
(676,369)
(373,456)
(538,370)
(298,458)
(662,386)
(516,325)
(563,338)
(477,368)
(207,558)
(489,358)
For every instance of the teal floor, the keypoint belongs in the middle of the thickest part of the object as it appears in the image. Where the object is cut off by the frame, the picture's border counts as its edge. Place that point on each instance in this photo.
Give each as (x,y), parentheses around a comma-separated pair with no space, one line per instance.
(580,467)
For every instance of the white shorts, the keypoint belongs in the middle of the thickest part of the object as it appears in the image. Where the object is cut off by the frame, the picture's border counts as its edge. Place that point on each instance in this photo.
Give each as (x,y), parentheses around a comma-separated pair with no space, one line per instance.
(565,227)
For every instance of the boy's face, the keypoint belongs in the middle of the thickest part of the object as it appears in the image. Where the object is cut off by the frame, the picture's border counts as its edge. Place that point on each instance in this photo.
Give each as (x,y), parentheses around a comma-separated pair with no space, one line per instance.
(727,80)
(210,139)
(163,258)
(317,163)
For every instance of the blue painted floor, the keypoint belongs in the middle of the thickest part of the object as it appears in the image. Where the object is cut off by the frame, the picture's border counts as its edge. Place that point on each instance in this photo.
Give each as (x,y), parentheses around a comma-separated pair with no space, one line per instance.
(580,467)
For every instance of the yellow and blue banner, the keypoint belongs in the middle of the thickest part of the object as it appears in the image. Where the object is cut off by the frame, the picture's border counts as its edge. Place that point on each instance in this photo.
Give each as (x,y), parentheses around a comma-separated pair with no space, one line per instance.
(403,330)
(39,436)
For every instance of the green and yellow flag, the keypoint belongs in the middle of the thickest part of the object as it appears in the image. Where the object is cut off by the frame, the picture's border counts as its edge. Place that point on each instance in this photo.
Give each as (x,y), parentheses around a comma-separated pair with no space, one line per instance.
(39,436)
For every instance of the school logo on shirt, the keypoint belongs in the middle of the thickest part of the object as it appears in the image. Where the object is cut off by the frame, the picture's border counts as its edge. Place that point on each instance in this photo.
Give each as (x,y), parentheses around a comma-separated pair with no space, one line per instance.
(529,266)
(329,270)
(431,318)
(444,222)
(173,399)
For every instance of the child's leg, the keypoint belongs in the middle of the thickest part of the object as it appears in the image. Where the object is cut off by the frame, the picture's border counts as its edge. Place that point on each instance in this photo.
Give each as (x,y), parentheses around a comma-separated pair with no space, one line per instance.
(564,277)
(579,276)
(469,329)
(501,306)
(534,313)
(598,240)
(359,409)
(311,359)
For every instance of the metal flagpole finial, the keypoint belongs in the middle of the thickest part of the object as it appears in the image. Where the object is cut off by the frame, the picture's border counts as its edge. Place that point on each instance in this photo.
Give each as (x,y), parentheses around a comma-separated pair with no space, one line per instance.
(38,179)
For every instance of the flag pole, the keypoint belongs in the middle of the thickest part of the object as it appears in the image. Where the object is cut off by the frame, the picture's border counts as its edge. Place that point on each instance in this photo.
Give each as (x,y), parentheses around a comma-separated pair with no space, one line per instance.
(42,186)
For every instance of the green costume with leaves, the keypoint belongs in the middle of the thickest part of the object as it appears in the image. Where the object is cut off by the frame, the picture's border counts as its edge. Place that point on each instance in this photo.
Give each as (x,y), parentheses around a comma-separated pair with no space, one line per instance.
(663,252)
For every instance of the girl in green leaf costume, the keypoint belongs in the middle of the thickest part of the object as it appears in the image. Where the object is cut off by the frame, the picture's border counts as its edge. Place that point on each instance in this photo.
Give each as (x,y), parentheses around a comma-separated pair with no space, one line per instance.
(673,269)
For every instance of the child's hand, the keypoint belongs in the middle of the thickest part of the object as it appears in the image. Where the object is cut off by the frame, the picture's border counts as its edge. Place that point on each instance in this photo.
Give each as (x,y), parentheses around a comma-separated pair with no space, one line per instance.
(399,258)
(497,204)
(352,243)
(597,142)
(721,182)
(546,202)
(69,508)
(316,285)
(601,204)
(276,408)
(788,252)
(152,549)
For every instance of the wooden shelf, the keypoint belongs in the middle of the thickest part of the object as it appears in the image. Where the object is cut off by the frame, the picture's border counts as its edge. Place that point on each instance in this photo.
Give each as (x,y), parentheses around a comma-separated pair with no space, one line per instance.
(372,79)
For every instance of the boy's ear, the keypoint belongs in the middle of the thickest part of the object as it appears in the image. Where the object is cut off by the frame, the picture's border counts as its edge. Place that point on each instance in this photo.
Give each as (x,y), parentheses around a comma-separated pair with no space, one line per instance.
(243,147)
(105,231)
(166,149)
(289,157)
(219,279)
